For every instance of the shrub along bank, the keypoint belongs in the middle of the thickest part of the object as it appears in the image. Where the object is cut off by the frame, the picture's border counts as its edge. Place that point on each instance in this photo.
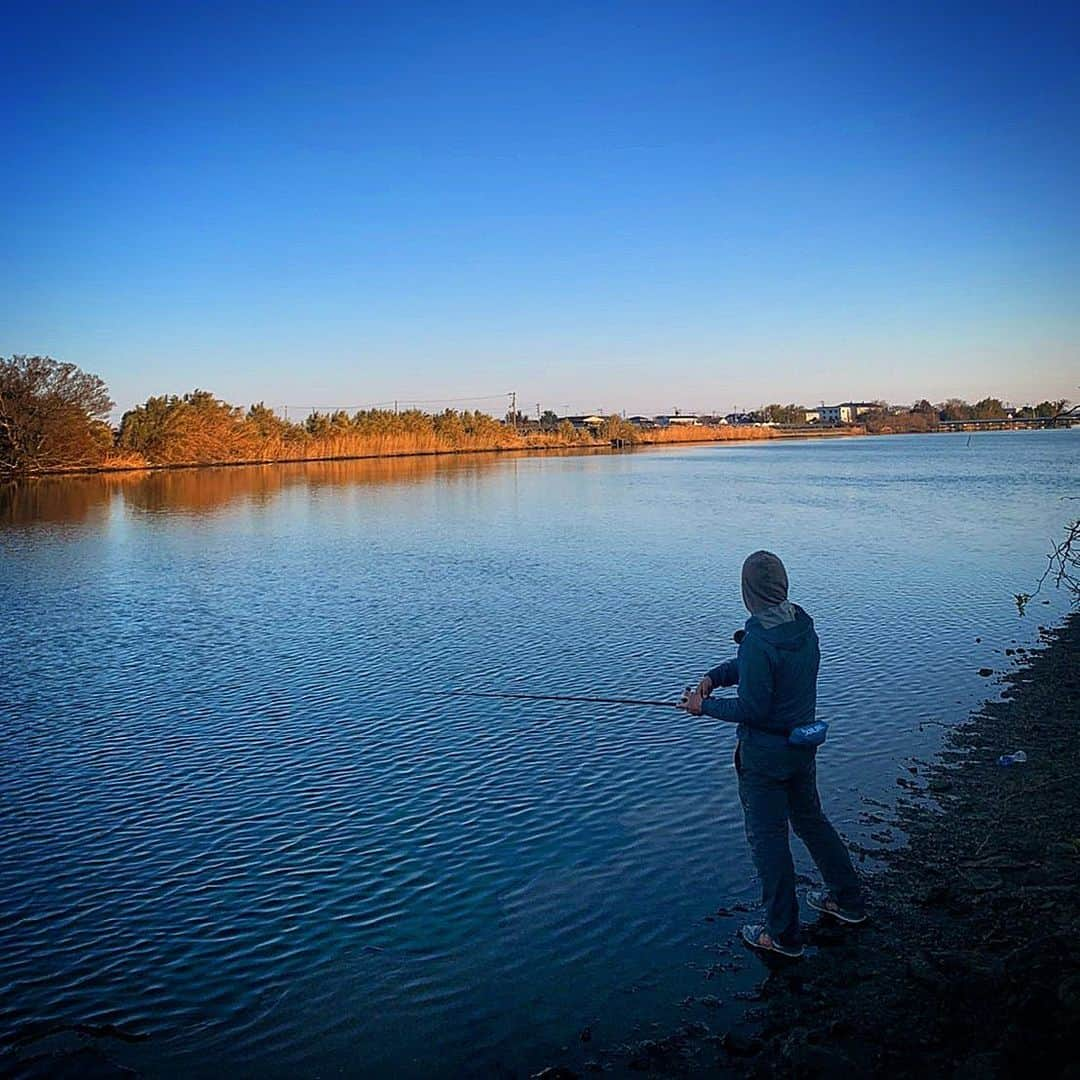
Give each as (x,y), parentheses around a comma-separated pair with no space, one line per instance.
(52,419)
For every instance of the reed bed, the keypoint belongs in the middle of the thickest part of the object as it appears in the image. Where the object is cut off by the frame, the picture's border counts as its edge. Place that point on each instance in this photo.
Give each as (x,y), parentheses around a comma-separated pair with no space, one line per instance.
(720,433)
(199,429)
(348,444)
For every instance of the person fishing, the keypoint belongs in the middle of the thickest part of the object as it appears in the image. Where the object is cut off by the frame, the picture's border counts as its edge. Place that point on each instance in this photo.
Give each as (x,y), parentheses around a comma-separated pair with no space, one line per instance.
(776,673)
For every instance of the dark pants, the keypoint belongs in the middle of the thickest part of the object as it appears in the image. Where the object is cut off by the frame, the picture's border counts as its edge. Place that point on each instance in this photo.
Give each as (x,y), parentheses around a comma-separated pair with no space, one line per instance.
(778,784)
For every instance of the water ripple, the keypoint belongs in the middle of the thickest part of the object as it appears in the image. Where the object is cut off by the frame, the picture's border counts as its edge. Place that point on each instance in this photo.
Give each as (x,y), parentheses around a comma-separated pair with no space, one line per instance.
(244,825)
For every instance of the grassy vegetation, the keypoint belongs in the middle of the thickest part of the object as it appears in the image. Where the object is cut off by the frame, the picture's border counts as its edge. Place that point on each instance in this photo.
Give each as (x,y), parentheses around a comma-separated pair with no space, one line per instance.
(199,429)
(52,420)
(723,433)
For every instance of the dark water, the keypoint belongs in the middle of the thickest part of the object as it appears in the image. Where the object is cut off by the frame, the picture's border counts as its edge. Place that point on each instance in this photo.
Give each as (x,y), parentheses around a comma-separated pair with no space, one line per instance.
(241,818)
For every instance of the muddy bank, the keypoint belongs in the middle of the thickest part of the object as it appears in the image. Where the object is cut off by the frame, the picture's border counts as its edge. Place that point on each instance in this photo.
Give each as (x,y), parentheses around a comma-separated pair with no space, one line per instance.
(970,965)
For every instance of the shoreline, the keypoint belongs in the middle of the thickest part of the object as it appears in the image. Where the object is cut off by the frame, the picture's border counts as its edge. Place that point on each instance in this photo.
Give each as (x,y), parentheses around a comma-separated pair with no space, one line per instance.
(98,470)
(969,966)
(600,446)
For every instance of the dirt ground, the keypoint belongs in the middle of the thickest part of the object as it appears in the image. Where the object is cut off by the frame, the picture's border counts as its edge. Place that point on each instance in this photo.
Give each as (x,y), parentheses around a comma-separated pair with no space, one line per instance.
(970,967)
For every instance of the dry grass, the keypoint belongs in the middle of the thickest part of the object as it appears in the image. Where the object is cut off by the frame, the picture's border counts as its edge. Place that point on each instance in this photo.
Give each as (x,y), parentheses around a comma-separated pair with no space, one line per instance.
(724,433)
(239,443)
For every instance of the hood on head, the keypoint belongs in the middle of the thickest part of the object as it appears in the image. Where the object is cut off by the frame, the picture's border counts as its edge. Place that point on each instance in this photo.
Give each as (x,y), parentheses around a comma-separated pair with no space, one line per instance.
(764,581)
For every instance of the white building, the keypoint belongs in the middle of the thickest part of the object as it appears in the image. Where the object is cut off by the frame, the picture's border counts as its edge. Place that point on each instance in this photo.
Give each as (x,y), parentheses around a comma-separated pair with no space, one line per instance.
(845,413)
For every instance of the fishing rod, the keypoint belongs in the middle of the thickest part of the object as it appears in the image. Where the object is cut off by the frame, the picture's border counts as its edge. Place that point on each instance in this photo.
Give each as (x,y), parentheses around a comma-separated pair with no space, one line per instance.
(737,637)
(563,697)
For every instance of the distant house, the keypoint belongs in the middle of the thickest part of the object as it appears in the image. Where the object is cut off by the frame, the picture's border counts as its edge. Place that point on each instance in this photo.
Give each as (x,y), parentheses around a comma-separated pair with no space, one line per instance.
(845,413)
(678,420)
(646,423)
(741,418)
(585,423)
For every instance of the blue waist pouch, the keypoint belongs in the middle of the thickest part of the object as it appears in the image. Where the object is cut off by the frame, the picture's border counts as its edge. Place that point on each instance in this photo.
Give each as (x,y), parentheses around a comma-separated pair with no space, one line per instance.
(809,734)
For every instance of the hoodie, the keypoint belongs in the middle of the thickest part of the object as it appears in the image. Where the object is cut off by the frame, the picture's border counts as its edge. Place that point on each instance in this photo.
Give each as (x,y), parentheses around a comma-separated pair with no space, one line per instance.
(776,671)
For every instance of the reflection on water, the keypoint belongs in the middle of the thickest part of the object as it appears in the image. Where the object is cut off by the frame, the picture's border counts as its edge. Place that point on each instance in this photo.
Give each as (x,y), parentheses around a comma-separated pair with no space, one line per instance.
(59,499)
(241,818)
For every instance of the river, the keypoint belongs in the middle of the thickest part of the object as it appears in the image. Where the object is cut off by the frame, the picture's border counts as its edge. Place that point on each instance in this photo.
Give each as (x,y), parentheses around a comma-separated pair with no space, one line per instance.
(245,825)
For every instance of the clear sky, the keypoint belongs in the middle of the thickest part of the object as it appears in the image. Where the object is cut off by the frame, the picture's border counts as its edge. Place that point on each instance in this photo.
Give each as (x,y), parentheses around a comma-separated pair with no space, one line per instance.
(617,205)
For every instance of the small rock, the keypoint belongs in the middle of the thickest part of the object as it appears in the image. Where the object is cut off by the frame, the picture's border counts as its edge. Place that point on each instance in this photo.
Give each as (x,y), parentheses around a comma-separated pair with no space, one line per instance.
(985,672)
(649,1054)
(739,1045)
(840,1029)
(586,1034)
(933,896)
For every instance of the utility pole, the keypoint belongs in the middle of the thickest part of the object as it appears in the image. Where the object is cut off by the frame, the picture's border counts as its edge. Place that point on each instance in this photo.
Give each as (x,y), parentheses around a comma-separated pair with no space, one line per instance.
(513,409)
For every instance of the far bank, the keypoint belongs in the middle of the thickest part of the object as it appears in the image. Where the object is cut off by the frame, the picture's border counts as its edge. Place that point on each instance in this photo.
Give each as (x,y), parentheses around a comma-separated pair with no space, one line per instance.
(349,447)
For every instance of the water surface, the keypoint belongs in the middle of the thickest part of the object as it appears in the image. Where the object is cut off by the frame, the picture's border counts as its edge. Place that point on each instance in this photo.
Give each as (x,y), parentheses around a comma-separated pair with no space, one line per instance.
(243,819)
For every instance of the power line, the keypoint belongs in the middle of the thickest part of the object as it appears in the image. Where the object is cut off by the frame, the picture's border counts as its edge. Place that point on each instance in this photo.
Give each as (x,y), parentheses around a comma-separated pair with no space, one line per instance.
(394,404)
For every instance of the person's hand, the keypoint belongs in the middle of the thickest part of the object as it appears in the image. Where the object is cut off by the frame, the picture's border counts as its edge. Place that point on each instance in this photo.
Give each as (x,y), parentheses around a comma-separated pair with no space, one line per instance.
(691,701)
(705,687)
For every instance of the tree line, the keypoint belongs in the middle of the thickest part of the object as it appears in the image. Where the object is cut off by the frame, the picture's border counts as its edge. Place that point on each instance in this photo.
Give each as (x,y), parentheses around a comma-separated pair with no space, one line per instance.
(55,416)
(923,414)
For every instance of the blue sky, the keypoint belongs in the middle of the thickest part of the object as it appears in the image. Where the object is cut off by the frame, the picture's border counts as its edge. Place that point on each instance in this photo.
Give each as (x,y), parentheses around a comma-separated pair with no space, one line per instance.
(613,205)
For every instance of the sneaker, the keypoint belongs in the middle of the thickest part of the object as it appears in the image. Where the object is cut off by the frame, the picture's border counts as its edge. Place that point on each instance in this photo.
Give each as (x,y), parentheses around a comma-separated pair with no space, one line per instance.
(757,937)
(821,900)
